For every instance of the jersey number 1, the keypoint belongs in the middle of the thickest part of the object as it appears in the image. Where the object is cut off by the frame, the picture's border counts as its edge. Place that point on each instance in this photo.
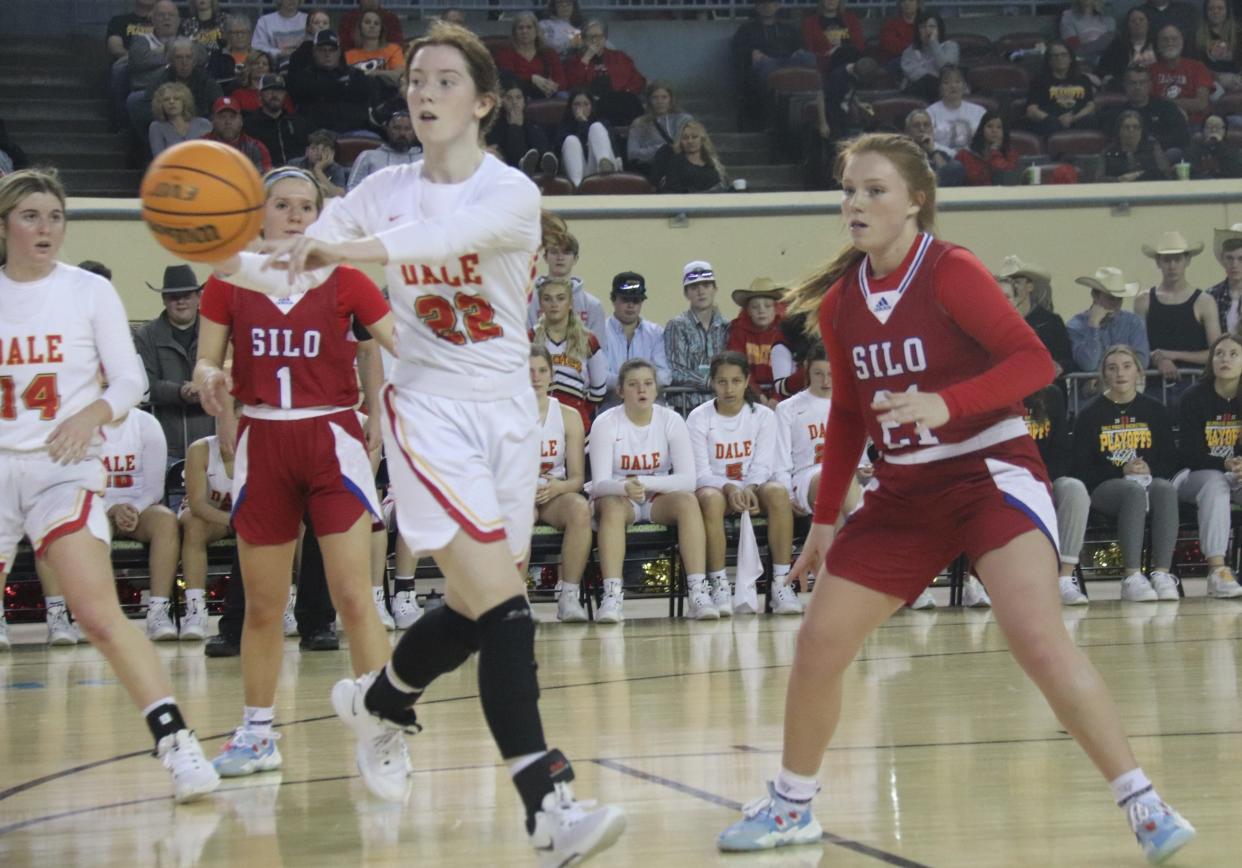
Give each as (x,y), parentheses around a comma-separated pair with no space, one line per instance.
(478,318)
(40,395)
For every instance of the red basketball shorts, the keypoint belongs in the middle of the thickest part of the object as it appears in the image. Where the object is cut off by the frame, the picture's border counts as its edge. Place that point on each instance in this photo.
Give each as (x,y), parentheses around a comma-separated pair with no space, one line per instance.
(286,468)
(921,516)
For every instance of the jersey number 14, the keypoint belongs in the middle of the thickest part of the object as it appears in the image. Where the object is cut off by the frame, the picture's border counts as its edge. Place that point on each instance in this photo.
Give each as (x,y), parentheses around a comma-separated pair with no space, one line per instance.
(41,394)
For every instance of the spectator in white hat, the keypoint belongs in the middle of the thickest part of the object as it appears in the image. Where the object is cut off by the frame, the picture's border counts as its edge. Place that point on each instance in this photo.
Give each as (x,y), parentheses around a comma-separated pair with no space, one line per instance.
(1182,322)
(694,336)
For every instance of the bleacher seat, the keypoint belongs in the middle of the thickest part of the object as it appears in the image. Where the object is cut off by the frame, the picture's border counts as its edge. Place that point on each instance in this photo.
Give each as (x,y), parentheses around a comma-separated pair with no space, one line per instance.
(1027,144)
(998,79)
(1021,40)
(615,184)
(546,112)
(495,41)
(1076,143)
(349,147)
(794,79)
(891,113)
(1108,101)
(553,185)
(1229,104)
(974,46)
(988,103)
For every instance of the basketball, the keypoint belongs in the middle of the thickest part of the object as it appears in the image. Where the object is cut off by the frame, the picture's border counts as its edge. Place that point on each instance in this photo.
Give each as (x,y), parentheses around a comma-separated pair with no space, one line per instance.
(202,200)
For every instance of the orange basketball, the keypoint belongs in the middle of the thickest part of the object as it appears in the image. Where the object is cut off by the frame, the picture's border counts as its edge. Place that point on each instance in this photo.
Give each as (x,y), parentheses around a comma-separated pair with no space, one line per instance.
(202,200)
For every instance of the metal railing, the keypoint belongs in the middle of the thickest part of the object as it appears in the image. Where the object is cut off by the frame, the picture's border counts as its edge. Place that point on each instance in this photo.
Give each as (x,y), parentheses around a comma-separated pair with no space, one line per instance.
(1076,382)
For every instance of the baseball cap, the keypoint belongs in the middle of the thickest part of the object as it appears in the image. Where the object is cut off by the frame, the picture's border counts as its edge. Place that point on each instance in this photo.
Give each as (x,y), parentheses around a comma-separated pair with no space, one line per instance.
(327,37)
(272,81)
(225,104)
(629,284)
(698,271)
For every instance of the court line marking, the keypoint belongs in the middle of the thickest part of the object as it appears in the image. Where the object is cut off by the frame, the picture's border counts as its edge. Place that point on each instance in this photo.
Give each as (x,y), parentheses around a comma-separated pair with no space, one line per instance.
(28,785)
(705,796)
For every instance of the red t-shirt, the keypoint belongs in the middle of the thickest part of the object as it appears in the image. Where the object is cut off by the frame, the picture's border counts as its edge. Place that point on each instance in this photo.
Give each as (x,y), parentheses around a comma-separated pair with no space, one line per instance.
(947,329)
(544,63)
(296,352)
(1181,80)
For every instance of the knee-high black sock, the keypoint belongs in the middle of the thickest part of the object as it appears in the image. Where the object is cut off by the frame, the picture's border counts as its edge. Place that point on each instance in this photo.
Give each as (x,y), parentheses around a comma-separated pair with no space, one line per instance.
(508,686)
(438,642)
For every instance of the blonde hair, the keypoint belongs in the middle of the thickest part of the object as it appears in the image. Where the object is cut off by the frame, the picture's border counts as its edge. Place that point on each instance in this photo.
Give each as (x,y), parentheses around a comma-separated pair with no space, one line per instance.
(252,59)
(911,163)
(179,90)
(577,338)
(540,43)
(1123,350)
(1203,34)
(709,149)
(20,184)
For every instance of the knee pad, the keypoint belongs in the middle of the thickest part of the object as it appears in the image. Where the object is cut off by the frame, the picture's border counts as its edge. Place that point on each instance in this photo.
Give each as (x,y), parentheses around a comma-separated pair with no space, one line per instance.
(508,685)
(439,642)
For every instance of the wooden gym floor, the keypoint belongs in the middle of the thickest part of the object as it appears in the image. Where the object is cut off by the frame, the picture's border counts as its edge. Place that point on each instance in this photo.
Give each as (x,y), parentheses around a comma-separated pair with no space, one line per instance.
(946,756)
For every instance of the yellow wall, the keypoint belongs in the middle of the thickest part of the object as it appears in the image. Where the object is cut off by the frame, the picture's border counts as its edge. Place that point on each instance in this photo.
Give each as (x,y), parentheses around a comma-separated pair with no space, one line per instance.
(1050,226)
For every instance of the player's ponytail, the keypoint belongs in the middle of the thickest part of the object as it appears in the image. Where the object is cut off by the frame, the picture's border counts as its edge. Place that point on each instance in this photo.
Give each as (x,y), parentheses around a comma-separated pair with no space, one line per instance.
(911,163)
(17,186)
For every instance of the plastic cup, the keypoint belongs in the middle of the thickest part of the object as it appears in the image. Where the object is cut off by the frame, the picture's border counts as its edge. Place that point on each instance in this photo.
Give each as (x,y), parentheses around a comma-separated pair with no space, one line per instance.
(1183,171)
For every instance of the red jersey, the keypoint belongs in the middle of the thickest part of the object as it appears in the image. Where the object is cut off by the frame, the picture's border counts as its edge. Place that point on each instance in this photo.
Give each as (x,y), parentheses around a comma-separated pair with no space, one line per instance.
(296,352)
(938,323)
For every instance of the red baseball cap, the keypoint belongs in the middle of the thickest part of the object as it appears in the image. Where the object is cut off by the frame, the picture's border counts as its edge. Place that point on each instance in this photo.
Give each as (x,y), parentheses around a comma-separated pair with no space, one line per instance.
(225,103)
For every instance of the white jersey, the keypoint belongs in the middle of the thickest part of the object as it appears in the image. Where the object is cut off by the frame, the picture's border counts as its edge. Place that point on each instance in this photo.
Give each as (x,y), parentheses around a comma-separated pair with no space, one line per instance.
(461,262)
(135,455)
(803,419)
(658,453)
(58,336)
(219,482)
(738,449)
(552,442)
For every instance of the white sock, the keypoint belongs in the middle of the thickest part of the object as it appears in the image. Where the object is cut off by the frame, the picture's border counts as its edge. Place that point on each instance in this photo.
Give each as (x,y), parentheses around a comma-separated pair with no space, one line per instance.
(795,788)
(258,721)
(717,576)
(53,601)
(167,700)
(156,601)
(516,766)
(612,587)
(780,574)
(1132,785)
(693,580)
(569,587)
(195,595)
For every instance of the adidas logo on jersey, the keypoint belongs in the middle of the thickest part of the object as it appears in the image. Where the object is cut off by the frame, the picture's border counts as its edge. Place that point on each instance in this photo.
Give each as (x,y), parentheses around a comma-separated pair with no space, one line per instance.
(881,305)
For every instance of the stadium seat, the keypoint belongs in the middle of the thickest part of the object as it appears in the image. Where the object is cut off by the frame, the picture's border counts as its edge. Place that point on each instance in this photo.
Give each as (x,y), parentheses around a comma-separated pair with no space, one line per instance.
(1027,144)
(891,113)
(1011,42)
(617,183)
(1108,101)
(546,112)
(1229,104)
(794,79)
(495,41)
(988,103)
(1076,143)
(349,147)
(974,46)
(998,79)
(553,185)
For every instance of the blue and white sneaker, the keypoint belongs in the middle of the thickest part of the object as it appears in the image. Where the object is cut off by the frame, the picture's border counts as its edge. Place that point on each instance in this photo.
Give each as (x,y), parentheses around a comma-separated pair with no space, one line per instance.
(771,822)
(246,753)
(1160,830)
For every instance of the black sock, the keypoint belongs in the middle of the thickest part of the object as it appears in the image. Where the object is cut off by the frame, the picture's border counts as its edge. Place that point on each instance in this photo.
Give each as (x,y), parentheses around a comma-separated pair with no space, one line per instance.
(165,719)
(399,585)
(390,702)
(508,686)
(538,779)
(438,642)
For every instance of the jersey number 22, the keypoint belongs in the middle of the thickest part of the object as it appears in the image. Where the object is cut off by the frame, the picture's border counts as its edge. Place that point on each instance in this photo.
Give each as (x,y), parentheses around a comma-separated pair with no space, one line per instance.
(440,315)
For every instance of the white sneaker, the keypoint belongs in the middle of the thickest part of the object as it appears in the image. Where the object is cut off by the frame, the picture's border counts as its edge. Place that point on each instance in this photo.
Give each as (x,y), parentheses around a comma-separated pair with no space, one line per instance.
(5,644)
(1165,585)
(381,607)
(568,832)
(160,627)
(702,608)
(925,601)
(1137,589)
(1223,584)
(974,595)
(192,775)
(290,620)
(609,611)
(382,755)
(568,607)
(746,600)
(1071,594)
(722,598)
(194,621)
(405,609)
(785,600)
(60,632)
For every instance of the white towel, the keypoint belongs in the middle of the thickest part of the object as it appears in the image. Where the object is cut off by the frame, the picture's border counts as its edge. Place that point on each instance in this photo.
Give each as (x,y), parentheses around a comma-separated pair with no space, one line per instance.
(749,564)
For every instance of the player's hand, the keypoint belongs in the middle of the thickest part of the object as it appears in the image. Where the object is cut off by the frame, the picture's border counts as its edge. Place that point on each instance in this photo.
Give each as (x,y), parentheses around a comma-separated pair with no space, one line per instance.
(68,442)
(125,517)
(544,492)
(752,500)
(814,550)
(635,490)
(924,409)
(1136,467)
(215,391)
(297,255)
(189,393)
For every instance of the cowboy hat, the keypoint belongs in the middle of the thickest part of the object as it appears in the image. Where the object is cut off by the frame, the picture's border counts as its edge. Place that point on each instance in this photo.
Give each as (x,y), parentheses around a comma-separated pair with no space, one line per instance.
(1171,243)
(1110,280)
(177,278)
(1220,236)
(760,287)
(1013,266)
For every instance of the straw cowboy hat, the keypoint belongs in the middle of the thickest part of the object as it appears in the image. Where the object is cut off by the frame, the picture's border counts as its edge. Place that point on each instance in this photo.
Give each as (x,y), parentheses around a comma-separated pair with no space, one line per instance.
(1171,243)
(1013,266)
(177,278)
(1110,280)
(1220,236)
(760,287)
